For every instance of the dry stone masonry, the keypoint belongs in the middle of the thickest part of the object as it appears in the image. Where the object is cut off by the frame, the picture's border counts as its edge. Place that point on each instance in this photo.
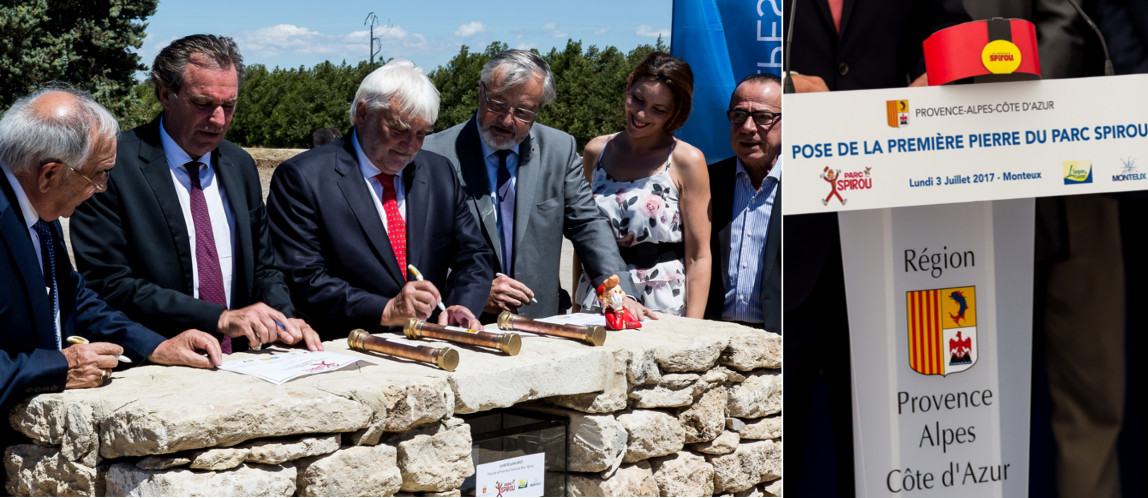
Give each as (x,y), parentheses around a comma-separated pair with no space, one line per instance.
(682,407)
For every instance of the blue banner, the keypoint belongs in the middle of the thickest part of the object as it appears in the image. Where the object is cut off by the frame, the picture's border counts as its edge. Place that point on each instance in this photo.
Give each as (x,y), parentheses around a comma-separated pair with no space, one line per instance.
(723,41)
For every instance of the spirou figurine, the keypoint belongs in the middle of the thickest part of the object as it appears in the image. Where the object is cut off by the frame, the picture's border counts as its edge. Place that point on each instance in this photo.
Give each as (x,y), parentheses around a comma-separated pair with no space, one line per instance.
(610,296)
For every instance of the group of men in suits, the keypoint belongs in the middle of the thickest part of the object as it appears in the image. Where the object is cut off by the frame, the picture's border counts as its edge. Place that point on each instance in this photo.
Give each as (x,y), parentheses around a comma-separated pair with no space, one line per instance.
(367,231)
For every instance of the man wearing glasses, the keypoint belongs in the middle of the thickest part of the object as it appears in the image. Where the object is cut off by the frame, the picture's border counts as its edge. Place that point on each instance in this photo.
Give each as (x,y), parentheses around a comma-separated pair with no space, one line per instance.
(180,238)
(525,187)
(746,210)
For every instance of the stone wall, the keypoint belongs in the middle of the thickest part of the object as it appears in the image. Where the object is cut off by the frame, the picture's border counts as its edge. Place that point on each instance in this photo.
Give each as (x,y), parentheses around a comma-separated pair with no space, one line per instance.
(681,407)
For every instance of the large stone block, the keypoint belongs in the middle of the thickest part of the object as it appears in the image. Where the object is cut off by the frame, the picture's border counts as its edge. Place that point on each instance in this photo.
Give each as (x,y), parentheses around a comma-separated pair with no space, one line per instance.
(753,351)
(661,397)
(418,404)
(629,480)
(73,426)
(218,458)
(774,488)
(353,471)
(596,443)
(763,428)
(749,465)
(643,368)
(611,398)
(224,416)
(759,396)
(651,434)
(705,419)
(276,451)
(436,458)
(35,470)
(683,474)
(125,479)
(697,354)
(721,445)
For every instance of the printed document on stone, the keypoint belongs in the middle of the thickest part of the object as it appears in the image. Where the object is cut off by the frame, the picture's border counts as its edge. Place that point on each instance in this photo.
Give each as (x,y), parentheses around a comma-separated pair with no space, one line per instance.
(278,368)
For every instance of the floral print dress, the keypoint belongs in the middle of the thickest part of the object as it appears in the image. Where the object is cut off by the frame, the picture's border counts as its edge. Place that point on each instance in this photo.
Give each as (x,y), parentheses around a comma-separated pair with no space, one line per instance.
(642,211)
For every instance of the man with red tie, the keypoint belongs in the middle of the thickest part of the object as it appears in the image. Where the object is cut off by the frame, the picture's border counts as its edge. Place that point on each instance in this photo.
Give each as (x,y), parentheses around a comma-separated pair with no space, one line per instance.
(349,218)
(180,239)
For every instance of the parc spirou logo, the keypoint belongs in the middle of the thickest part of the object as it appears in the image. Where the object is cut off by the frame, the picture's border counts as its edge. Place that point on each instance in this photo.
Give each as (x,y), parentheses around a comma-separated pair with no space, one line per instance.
(942,330)
(841,182)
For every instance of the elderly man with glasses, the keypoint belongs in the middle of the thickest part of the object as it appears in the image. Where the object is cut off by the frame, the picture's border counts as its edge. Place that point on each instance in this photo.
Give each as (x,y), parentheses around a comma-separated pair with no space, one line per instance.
(746,210)
(56,148)
(180,240)
(525,187)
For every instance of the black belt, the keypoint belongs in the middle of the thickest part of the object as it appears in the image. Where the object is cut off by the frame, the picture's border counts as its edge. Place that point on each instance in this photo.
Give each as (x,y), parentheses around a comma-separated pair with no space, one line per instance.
(648,254)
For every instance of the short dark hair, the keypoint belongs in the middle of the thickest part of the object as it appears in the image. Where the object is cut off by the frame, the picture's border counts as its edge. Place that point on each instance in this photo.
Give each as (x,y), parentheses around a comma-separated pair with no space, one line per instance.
(221,51)
(324,136)
(675,74)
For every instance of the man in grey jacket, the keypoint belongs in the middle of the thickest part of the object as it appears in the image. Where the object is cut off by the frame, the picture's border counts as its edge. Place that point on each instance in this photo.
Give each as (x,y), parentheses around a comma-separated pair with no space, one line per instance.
(527,190)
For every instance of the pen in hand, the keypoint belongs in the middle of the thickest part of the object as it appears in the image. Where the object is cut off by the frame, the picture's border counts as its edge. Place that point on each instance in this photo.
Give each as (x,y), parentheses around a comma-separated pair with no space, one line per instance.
(414,272)
(75,339)
(500,274)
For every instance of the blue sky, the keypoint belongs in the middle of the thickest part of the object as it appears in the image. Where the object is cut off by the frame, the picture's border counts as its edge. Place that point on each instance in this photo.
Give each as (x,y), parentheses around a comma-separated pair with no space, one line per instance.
(290,33)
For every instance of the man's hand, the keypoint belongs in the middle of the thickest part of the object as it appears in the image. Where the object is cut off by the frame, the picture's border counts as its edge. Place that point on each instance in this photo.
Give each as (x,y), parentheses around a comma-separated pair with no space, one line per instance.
(90,364)
(295,330)
(638,310)
(459,316)
(255,322)
(188,349)
(507,294)
(922,80)
(805,83)
(417,299)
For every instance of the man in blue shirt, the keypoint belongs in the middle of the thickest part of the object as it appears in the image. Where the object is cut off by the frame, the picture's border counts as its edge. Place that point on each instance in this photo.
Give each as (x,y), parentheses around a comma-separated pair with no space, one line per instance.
(746,210)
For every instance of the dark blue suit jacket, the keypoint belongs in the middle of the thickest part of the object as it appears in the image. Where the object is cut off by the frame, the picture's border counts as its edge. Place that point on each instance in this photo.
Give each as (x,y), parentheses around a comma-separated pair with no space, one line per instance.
(334,250)
(31,363)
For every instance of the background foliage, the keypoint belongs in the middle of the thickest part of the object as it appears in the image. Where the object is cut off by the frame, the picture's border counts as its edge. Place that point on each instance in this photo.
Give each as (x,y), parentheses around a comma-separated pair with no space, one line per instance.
(87,44)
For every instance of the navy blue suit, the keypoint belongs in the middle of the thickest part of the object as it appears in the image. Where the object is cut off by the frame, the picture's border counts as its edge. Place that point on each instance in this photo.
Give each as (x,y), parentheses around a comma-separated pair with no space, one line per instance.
(31,363)
(331,243)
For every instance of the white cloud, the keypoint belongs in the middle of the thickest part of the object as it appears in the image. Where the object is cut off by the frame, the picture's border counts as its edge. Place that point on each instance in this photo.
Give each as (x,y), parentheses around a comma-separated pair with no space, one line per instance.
(288,39)
(470,29)
(526,46)
(601,31)
(549,25)
(648,31)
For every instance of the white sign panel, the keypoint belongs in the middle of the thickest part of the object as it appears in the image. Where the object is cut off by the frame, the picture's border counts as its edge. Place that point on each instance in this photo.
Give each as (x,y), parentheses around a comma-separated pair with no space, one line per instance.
(518,476)
(940,308)
(935,145)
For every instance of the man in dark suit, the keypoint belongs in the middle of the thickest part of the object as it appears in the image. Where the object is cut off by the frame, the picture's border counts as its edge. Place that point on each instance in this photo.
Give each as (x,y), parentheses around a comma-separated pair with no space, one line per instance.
(526,189)
(43,300)
(746,210)
(180,240)
(837,45)
(350,216)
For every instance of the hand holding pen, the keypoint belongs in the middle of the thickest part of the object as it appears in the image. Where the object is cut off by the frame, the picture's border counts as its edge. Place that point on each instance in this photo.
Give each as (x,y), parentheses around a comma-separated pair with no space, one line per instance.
(507,294)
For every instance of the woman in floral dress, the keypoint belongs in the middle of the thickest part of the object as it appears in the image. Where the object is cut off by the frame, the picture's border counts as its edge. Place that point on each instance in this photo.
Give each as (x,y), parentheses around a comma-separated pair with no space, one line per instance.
(654,190)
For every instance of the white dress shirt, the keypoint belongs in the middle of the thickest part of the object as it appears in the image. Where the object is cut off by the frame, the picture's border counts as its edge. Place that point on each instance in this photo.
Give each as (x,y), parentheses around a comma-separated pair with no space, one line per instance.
(218,208)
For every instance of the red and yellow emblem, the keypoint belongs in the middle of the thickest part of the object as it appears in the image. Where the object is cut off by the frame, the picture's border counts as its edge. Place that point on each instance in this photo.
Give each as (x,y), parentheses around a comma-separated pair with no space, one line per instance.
(942,330)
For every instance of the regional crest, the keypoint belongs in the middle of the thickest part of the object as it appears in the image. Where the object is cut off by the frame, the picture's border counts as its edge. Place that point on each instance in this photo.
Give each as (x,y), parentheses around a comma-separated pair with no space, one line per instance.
(942,330)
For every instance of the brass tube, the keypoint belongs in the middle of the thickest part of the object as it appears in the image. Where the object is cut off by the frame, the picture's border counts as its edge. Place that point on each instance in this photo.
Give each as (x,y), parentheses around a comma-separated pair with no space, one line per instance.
(594,334)
(508,343)
(445,357)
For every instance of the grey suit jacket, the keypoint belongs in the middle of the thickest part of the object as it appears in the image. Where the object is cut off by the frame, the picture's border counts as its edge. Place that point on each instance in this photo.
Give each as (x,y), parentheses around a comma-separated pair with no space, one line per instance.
(553,199)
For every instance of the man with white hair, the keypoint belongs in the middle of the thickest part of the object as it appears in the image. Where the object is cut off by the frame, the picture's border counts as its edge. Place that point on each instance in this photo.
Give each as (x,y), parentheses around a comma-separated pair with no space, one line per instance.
(349,218)
(56,149)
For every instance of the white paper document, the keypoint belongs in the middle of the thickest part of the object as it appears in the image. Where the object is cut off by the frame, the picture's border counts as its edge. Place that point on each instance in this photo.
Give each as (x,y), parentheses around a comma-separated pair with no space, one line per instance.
(278,368)
(579,319)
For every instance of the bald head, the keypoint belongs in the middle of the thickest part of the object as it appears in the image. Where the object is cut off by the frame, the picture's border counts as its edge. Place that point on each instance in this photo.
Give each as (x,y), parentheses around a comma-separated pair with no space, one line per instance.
(60,144)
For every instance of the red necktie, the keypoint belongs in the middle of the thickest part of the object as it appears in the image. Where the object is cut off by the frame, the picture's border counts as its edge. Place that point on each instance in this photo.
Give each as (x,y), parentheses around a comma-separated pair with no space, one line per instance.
(206,257)
(396,227)
(835,7)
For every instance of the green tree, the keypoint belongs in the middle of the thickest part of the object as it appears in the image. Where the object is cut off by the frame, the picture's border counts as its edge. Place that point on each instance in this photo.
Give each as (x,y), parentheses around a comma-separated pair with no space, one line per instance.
(85,44)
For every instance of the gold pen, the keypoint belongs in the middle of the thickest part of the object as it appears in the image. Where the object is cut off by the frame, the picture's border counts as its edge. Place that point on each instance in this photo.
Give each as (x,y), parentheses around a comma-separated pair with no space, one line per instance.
(414,272)
(75,339)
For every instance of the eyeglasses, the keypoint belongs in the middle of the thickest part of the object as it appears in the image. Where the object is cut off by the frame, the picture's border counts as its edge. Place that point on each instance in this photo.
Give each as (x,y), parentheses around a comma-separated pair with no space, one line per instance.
(737,117)
(500,108)
(99,186)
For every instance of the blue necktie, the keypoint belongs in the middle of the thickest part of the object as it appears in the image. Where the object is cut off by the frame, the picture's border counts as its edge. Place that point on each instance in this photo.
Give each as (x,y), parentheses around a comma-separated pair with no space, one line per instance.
(48,254)
(505,192)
